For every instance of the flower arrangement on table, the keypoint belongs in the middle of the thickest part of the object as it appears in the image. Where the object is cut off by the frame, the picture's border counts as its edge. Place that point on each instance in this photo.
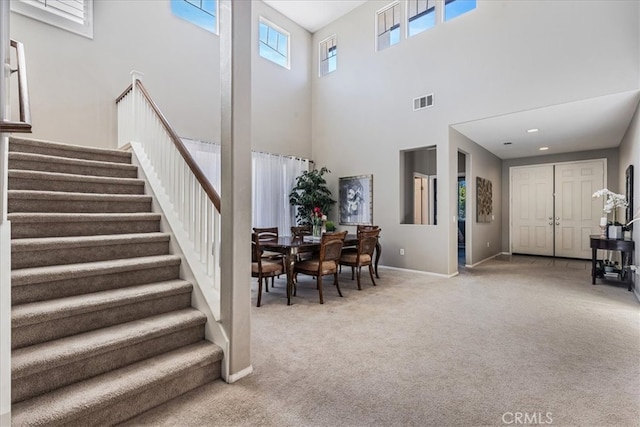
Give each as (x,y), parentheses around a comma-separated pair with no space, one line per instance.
(318,220)
(612,202)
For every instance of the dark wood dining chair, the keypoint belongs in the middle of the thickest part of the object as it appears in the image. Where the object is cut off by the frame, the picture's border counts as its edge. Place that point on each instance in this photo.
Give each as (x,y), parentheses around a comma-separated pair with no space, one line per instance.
(263,268)
(325,263)
(267,235)
(363,254)
(301,230)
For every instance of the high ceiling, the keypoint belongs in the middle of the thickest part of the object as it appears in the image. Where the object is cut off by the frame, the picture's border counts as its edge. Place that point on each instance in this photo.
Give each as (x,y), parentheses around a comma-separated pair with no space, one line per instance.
(313,14)
(577,126)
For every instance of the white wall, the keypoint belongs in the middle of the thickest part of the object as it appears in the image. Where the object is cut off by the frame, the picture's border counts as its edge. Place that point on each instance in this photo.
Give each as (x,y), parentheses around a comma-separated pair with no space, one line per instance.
(483,238)
(281,98)
(74,81)
(630,155)
(502,57)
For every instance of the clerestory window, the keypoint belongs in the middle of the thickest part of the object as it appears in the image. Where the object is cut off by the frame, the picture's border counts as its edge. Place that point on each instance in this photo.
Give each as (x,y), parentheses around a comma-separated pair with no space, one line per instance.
(274,43)
(75,16)
(203,13)
(328,55)
(388,26)
(421,15)
(454,8)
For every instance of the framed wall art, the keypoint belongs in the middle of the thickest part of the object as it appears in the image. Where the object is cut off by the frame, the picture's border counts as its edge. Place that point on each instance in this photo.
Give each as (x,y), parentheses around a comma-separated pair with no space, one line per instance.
(484,200)
(629,191)
(356,200)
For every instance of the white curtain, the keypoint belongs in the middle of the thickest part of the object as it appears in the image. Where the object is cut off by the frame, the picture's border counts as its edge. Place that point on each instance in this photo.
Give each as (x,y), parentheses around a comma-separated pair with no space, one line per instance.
(273,177)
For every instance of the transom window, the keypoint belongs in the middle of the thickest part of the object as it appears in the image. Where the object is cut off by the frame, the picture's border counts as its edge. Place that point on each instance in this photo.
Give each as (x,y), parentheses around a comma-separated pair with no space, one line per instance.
(422,15)
(202,13)
(388,26)
(75,16)
(274,43)
(328,55)
(453,8)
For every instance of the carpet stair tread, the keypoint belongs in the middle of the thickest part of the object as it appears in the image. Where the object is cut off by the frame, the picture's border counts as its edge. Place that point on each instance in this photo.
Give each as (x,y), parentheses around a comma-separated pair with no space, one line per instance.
(26,145)
(69,403)
(28,276)
(37,217)
(59,243)
(59,201)
(38,225)
(39,357)
(56,181)
(52,310)
(42,162)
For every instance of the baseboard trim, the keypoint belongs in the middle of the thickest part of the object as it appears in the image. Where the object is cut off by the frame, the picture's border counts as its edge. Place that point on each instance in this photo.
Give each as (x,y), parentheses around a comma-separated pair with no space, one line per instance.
(486,259)
(428,273)
(239,375)
(5,419)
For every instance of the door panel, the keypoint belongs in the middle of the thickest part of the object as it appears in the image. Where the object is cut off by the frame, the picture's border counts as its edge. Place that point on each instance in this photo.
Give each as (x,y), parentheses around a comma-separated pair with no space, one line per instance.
(577,213)
(531,210)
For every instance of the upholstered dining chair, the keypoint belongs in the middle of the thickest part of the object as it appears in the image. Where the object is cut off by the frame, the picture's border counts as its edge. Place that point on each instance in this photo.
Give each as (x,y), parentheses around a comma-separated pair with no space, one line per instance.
(263,268)
(266,235)
(325,263)
(363,255)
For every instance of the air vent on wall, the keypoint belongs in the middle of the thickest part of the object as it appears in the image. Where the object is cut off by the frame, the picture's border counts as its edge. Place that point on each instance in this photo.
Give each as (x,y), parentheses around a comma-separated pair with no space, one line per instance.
(422,102)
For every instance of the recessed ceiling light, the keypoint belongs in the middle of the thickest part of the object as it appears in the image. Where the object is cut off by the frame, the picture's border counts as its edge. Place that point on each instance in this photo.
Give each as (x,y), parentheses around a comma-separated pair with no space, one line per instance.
(508,143)
(543,148)
(533,130)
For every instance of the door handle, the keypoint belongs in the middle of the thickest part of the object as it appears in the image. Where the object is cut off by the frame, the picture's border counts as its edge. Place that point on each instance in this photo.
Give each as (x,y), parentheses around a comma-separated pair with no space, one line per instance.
(550,222)
(558,223)
(550,218)
(557,218)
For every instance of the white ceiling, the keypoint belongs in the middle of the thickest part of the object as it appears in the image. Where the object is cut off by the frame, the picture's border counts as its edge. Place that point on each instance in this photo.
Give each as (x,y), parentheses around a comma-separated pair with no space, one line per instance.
(313,14)
(584,125)
(577,126)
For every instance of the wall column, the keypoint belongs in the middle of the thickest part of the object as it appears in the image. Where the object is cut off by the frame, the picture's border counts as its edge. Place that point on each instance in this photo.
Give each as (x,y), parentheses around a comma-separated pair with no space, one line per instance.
(235,260)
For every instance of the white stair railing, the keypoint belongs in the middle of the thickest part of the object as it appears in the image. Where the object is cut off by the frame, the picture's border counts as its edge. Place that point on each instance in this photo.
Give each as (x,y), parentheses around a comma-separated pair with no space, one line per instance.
(190,203)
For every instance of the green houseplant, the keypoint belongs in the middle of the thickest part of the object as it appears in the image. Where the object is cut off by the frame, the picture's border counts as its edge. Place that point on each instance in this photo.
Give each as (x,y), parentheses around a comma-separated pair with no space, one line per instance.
(309,192)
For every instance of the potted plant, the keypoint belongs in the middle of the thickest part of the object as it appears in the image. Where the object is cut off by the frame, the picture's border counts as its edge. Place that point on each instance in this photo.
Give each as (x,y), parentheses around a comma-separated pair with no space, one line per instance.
(311,192)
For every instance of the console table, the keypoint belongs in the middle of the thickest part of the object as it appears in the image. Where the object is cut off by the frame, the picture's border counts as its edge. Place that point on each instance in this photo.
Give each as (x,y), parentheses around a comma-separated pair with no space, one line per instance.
(624,246)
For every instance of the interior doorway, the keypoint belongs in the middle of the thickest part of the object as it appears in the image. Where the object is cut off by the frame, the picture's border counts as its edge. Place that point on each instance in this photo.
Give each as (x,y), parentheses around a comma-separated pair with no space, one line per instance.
(552,209)
(462,208)
(424,199)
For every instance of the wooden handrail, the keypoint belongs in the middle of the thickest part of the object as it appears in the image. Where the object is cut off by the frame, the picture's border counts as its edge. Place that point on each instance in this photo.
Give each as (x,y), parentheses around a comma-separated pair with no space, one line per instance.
(24,125)
(197,172)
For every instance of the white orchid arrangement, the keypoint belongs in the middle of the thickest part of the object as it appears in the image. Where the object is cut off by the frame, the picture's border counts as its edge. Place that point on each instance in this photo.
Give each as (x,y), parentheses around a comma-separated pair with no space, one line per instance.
(612,203)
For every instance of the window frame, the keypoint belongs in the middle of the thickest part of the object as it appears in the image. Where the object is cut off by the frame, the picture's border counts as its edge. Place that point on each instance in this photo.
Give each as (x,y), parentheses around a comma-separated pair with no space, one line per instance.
(282,31)
(426,12)
(38,10)
(398,26)
(216,23)
(321,61)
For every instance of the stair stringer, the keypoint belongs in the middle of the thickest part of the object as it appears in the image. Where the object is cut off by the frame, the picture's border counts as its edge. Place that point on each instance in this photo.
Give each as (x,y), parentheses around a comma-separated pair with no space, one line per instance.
(190,268)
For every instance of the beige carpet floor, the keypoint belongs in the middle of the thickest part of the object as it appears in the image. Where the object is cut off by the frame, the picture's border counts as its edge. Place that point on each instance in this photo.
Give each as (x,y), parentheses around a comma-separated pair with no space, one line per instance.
(516,338)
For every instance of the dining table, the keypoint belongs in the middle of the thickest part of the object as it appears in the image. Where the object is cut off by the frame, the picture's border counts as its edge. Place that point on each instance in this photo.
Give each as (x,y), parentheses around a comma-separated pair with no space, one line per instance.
(291,246)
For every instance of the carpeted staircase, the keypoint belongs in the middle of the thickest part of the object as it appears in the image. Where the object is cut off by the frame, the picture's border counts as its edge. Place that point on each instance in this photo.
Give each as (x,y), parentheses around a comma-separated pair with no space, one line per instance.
(102,324)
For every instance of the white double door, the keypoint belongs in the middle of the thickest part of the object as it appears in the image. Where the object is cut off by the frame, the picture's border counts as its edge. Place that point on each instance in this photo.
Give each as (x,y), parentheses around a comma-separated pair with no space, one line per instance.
(552,210)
